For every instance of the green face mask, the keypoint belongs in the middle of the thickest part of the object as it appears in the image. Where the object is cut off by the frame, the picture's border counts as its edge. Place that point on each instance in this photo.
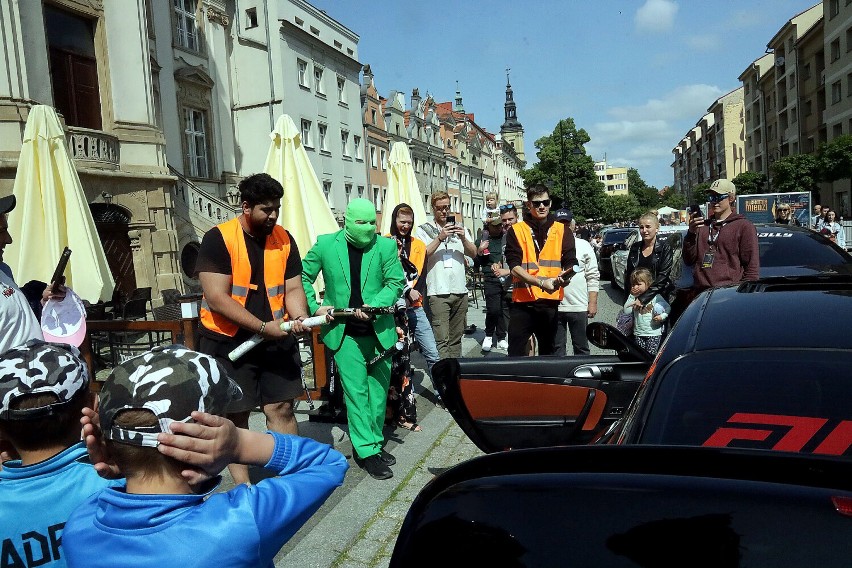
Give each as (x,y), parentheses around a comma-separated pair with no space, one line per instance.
(360,226)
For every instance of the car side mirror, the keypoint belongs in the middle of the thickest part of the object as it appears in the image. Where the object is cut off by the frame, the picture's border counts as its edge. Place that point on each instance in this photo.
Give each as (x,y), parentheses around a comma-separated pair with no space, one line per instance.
(606,336)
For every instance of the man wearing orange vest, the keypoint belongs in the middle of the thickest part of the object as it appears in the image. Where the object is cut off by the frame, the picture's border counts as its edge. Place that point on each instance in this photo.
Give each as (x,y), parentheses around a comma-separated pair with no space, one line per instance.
(251,275)
(540,254)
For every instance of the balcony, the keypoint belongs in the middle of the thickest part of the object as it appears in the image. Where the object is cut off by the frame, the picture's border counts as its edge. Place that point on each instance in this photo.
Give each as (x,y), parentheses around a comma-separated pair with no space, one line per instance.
(93,148)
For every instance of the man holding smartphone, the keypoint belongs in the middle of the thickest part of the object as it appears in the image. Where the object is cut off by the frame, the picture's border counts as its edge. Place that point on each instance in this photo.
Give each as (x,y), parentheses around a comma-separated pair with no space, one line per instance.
(447,244)
(723,248)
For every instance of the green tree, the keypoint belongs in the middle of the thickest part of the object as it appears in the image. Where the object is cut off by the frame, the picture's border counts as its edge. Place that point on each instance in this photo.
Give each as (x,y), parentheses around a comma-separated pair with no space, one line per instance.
(800,172)
(563,164)
(647,196)
(750,183)
(836,160)
(699,193)
(672,198)
(621,208)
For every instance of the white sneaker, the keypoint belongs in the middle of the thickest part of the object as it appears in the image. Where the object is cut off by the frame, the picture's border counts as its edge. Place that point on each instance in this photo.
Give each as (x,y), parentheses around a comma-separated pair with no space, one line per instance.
(487,343)
(503,344)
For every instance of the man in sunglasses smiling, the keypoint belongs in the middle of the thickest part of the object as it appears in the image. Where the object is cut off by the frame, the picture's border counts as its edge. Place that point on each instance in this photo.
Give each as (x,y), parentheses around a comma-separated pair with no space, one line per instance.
(723,249)
(540,254)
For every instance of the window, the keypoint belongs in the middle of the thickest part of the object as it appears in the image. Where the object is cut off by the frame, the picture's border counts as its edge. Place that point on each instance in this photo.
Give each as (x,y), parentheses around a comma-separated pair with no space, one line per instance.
(74,71)
(361,191)
(326,190)
(338,45)
(251,18)
(836,93)
(848,40)
(373,116)
(356,140)
(303,73)
(835,50)
(794,116)
(837,130)
(348,187)
(341,90)
(195,137)
(306,134)
(186,27)
(384,155)
(849,84)
(344,142)
(323,145)
(373,162)
(833,8)
(318,80)
(806,71)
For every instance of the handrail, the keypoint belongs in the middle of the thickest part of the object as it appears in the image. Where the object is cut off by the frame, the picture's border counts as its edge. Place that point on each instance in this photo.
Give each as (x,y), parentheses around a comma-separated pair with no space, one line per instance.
(202,203)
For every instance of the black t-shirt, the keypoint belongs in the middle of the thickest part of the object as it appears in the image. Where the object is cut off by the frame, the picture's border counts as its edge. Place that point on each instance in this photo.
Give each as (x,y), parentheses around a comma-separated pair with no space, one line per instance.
(213,257)
(646,262)
(354,326)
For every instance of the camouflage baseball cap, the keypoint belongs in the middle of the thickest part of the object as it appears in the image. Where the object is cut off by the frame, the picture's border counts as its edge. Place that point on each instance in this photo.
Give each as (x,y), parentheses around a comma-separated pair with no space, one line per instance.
(40,367)
(171,381)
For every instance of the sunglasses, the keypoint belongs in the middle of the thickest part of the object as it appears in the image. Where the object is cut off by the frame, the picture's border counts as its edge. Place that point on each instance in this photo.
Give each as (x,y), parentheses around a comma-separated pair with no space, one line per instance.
(507,207)
(715,197)
(444,208)
(540,203)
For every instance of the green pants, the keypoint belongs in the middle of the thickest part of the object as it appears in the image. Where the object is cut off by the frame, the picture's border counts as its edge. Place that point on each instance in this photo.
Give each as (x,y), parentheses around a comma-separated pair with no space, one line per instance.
(365,391)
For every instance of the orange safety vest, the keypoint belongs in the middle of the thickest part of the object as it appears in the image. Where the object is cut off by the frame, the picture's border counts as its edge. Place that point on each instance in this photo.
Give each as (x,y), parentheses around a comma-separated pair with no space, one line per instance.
(547,264)
(275,253)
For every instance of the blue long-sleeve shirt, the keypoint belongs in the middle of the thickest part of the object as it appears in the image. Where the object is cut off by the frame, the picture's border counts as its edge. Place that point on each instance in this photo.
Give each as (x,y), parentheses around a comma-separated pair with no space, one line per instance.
(245,526)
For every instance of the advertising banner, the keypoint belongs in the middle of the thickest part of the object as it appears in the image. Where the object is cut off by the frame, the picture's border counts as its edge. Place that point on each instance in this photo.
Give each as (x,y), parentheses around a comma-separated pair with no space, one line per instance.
(760,208)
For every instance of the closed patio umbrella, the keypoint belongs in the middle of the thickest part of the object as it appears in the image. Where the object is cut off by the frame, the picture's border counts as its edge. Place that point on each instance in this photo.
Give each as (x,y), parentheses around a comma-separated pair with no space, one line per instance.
(53,213)
(304,208)
(402,187)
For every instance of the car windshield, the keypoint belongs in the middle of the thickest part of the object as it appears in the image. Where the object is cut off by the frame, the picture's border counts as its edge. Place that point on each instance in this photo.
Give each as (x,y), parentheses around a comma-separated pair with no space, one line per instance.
(616,236)
(787,248)
(785,400)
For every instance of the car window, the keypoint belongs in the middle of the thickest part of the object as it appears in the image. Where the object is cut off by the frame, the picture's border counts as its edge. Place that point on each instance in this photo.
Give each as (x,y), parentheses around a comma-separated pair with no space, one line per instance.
(631,239)
(780,400)
(617,236)
(786,248)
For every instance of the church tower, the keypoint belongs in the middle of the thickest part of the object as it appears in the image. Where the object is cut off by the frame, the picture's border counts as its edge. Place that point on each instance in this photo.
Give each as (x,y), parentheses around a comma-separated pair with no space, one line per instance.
(512,131)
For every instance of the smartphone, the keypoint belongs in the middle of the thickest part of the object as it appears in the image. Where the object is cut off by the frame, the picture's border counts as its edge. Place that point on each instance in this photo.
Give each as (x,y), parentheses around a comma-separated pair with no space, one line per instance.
(451,219)
(695,211)
(60,267)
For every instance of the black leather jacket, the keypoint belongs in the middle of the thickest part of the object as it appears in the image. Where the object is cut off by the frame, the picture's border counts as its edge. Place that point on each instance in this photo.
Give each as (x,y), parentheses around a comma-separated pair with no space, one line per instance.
(661,266)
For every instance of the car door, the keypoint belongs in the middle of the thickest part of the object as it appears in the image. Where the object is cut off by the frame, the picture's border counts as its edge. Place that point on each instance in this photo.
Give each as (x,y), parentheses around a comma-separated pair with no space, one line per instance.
(528,402)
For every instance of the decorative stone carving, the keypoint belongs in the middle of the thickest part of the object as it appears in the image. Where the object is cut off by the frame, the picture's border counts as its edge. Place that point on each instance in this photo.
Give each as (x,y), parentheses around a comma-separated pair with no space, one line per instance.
(217,16)
(135,240)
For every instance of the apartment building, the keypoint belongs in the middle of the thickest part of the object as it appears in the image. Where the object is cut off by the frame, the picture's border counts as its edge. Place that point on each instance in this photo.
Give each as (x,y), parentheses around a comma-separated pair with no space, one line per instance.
(613,178)
(837,29)
(375,140)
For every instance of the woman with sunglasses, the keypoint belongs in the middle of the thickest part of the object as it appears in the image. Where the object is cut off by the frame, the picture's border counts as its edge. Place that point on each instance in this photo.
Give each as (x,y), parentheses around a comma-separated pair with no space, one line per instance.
(784,215)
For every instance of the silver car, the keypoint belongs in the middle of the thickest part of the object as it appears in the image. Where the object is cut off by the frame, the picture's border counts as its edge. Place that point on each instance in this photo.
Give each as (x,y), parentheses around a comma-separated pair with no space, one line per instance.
(619,255)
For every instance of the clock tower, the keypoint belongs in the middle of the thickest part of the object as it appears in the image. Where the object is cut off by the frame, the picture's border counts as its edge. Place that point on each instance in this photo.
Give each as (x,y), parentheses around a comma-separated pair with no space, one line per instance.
(512,131)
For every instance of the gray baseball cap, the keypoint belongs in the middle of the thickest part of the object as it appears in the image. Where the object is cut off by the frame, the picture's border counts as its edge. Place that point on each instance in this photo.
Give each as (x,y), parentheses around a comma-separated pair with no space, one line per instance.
(40,367)
(171,381)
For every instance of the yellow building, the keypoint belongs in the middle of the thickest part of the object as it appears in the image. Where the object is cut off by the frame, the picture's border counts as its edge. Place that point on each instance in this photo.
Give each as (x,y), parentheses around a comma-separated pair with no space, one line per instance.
(614,179)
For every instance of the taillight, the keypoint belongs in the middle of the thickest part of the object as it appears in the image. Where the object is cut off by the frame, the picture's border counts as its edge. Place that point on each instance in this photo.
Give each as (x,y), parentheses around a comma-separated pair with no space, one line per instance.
(843,505)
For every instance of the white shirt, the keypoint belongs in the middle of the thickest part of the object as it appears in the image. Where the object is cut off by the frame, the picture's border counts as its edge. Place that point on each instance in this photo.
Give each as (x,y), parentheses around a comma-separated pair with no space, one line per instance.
(445,268)
(18,323)
(576,298)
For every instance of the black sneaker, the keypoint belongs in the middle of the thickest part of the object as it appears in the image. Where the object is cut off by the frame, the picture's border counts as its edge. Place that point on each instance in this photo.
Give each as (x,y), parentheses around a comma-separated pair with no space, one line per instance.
(375,467)
(387,458)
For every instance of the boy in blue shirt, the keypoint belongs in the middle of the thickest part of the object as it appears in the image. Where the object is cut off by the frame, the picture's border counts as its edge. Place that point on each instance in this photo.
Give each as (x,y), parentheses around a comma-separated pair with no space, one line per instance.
(157,415)
(43,389)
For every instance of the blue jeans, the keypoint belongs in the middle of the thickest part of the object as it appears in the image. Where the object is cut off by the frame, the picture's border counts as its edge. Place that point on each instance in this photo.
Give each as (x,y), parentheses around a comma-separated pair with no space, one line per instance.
(418,325)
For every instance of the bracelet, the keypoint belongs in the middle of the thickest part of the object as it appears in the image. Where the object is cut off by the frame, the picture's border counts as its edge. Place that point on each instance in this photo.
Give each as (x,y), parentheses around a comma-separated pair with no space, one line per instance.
(262,327)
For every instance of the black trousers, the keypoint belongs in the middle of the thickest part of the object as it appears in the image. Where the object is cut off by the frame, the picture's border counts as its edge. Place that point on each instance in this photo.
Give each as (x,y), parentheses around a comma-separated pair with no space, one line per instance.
(532,318)
(496,309)
(574,323)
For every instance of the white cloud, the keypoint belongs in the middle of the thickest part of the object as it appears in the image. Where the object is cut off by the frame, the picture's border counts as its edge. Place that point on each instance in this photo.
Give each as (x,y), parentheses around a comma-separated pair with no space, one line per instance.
(706,42)
(687,101)
(626,130)
(656,16)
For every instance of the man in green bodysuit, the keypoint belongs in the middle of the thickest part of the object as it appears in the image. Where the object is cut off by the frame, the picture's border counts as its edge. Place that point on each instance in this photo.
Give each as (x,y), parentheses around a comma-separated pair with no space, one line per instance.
(360,269)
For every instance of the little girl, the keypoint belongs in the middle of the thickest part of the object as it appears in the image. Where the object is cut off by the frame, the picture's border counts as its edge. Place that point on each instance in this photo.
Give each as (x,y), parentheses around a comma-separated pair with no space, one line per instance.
(647,320)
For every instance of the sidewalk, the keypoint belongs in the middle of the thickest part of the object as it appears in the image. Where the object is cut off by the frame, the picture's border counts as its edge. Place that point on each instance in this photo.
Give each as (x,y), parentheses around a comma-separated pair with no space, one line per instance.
(357,527)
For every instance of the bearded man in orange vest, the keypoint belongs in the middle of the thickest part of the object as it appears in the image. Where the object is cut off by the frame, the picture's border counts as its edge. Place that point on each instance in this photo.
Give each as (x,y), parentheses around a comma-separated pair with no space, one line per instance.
(251,274)
(541,254)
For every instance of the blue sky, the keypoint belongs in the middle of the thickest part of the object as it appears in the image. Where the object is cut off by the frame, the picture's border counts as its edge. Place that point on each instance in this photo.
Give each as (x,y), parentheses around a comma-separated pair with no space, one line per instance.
(637,75)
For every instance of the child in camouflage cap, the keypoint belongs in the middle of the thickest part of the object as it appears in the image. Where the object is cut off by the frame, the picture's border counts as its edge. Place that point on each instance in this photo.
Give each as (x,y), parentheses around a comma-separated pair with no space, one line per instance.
(158,417)
(43,388)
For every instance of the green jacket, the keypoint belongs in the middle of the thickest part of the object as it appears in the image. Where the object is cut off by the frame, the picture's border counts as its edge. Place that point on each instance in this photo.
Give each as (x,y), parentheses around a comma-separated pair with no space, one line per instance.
(382,281)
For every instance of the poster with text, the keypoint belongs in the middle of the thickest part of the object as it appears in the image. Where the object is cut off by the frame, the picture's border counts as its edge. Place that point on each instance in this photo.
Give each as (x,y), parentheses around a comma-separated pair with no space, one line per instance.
(760,208)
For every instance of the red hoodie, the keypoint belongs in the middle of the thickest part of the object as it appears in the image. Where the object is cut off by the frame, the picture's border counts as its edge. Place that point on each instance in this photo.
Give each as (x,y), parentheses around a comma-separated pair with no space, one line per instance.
(735,253)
